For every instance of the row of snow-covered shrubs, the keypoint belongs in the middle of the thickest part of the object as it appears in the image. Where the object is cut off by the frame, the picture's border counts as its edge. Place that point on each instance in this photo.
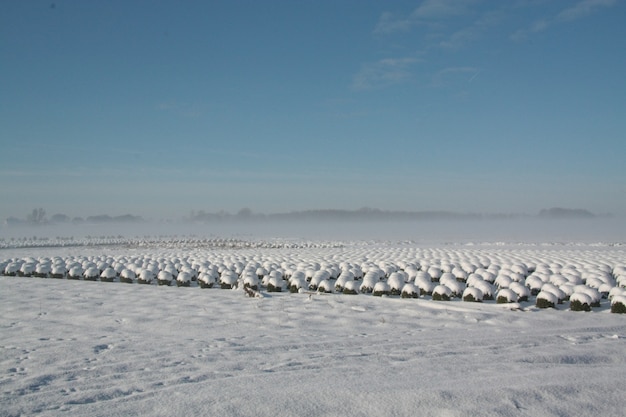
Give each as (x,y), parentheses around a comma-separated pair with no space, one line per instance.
(584,286)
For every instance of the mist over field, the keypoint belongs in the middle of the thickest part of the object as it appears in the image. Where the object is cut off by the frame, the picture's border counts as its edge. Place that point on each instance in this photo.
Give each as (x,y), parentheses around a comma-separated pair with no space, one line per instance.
(527,230)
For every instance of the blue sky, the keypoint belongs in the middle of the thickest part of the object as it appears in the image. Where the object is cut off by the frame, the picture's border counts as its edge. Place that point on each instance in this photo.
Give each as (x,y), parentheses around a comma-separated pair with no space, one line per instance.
(158,108)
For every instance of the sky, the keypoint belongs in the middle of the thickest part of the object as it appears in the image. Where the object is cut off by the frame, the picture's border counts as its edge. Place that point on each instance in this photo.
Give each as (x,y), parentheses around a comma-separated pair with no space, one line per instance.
(157,108)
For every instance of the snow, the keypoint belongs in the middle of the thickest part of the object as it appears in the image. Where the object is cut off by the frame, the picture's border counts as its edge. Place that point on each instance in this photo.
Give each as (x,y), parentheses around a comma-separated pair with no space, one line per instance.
(88,348)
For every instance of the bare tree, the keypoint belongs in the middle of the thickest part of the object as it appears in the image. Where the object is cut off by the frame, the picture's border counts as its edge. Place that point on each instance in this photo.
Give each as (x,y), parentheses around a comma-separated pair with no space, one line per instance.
(38,216)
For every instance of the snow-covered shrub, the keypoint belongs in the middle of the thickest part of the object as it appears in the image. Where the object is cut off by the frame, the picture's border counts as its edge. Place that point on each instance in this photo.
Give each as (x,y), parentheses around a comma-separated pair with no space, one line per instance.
(519,268)
(12,268)
(381,288)
(351,287)
(183,279)
(315,279)
(506,295)
(568,290)
(472,294)
(396,281)
(410,290)
(618,304)
(456,288)
(145,276)
(75,272)
(593,293)
(447,278)
(473,279)
(522,291)
(459,273)
(250,280)
(261,272)
(435,273)
(325,287)
(193,275)
(503,281)
(489,276)
(546,299)
(369,280)
(558,279)
(58,271)
(551,288)
(342,280)
(108,275)
(425,285)
(27,269)
(534,283)
(165,277)
(275,284)
(580,302)
(228,279)
(604,289)
(320,276)
(208,279)
(298,282)
(91,274)
(616,291)
(42,270)
(128,276)
(442,293)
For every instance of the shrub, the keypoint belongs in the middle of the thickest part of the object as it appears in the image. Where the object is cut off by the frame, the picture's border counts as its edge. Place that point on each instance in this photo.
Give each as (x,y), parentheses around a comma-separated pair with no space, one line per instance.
(108,275)
(473,295)
(128,276)
(145,277)
(522,291)
(228,279)
(164,278)
(381,288)
(11,269)
(546,299)
(534,283)
(91,274)
(580,302)
(456,288)
(618,304)
(183,279)
(207,280)
(298,283)
(410,291)
(506,295)
(325,287)
(251,280)
(425,285)
(369,280)
(593,293)
(42,270)
(27,269)
(275,284)
(442,293)
(75,272)
(351,288)
(58,272)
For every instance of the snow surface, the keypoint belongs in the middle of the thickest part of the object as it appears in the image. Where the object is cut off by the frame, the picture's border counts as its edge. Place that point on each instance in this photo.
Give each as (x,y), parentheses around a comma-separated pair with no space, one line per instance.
(85,348)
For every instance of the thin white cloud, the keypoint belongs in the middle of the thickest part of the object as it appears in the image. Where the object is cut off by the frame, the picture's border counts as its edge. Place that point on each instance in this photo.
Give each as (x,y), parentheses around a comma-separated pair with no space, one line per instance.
(437,9)
(450,75)
(580,10)
(383,73)
(390,23)
(427,11)
(536,27)
(583,8)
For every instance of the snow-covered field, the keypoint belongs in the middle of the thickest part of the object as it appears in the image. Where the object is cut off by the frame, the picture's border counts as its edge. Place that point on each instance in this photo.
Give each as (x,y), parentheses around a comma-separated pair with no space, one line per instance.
(81,348)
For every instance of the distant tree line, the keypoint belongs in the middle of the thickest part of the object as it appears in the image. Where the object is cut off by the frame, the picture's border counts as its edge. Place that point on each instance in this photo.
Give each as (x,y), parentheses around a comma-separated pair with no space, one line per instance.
(38,218)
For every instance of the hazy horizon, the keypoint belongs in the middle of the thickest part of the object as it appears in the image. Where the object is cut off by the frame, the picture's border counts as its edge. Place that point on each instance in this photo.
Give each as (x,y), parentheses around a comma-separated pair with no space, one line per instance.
(157,108)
